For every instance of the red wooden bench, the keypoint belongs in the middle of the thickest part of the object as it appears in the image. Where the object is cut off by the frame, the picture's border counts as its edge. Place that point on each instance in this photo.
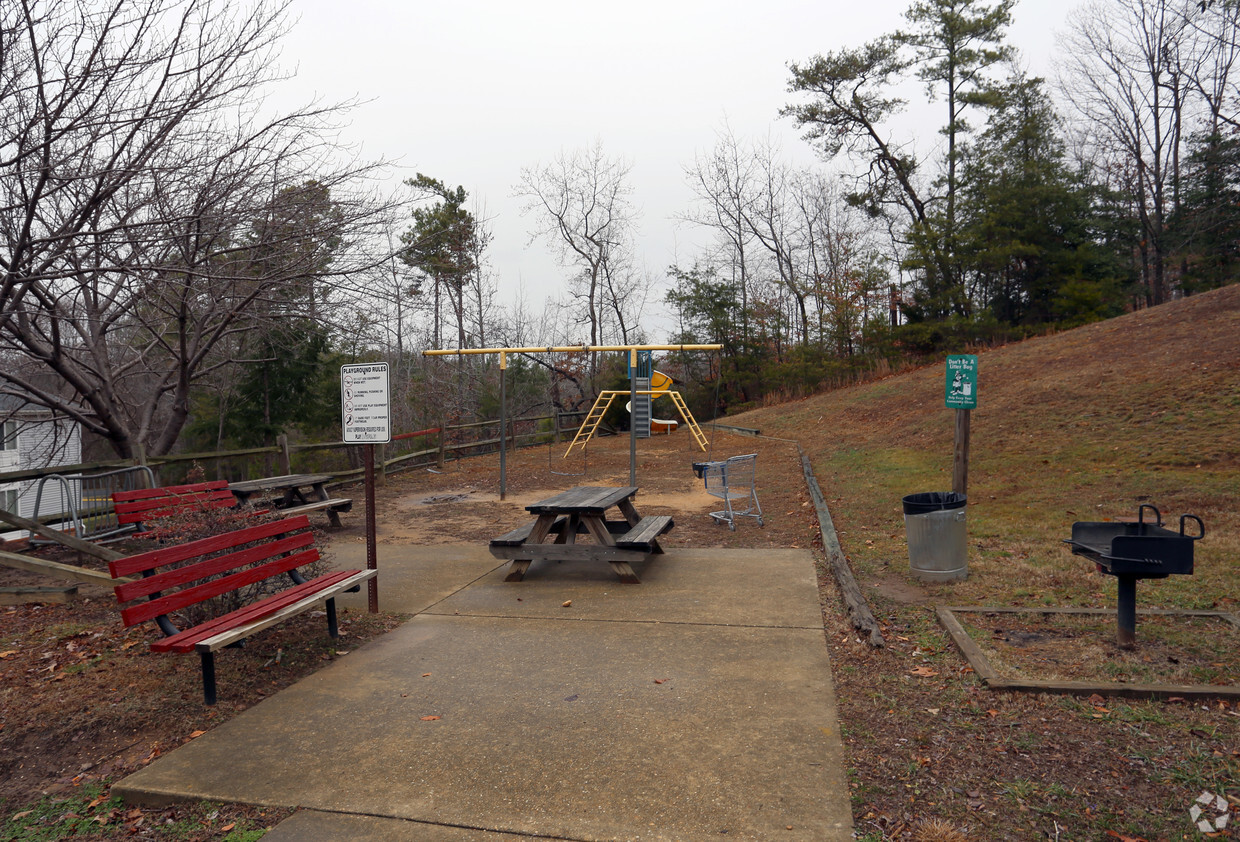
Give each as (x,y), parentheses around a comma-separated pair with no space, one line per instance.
(139,506)
(175,578)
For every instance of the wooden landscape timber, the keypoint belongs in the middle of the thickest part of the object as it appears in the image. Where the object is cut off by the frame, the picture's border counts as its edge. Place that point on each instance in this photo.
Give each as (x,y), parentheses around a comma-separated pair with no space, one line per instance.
(55,569)
(71,541)
(859,613)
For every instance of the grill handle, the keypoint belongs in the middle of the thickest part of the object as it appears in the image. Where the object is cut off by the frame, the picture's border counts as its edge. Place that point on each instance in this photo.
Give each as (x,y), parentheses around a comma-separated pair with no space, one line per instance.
(1201,527)
(1157,514)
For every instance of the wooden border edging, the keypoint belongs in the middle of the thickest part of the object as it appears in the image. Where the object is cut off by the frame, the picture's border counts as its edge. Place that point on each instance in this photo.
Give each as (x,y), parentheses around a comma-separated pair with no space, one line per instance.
(57,570)
(981,664)
(858,609)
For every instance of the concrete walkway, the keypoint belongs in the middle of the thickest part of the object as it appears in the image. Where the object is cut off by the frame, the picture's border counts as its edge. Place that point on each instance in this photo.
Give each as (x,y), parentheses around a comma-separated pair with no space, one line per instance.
(696,705)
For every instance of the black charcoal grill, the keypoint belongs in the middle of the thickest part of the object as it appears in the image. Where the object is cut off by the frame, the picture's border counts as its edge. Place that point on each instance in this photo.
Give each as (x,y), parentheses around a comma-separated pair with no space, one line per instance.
(1131,551)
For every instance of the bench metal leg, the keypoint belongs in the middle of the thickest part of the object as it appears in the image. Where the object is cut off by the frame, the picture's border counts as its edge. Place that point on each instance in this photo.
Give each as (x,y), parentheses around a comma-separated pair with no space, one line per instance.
(332,628)
(208,676)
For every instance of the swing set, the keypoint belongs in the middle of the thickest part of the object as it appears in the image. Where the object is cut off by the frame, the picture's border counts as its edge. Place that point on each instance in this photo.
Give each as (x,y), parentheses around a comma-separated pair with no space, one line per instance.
(593,418)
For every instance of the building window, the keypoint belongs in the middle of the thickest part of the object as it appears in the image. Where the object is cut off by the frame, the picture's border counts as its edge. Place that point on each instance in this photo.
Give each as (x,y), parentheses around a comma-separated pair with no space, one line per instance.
(10,435)
(8,500)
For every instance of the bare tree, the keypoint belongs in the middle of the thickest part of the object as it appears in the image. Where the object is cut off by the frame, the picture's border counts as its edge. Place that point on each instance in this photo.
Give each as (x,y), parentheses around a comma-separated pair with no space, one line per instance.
(141,184)
(723,182)
(581,207)
(1126,74)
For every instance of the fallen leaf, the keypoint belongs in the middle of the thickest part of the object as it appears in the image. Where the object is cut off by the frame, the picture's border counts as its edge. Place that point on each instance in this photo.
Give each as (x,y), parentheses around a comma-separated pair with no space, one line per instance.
(129,644)
(22,814)
(932,710)
(426,675)
(1096,700)
(566,603)
(228,827)
(430,718)
(196,734)
(659,680)
(925,672)
(8,653)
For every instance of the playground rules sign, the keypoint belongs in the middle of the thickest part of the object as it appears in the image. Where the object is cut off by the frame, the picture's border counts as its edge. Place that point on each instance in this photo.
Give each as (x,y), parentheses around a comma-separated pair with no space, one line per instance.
(365,411)
(961,391)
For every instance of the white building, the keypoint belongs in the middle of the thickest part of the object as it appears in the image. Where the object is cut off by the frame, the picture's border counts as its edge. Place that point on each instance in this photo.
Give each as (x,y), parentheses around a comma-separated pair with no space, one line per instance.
(33,439)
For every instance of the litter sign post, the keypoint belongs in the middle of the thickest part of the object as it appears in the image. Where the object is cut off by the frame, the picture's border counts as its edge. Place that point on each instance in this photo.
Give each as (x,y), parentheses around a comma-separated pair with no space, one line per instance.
(960,394)
(366,418)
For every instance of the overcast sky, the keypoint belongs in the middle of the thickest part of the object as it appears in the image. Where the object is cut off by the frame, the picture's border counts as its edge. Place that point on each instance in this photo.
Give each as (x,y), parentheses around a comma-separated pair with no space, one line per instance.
(470,92)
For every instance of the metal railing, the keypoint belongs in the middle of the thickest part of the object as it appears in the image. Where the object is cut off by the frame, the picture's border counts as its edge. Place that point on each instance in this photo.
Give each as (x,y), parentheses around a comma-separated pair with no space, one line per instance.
(83,502)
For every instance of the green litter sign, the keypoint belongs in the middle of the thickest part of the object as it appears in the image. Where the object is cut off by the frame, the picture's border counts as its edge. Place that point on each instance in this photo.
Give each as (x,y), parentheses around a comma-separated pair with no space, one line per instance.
(961,391)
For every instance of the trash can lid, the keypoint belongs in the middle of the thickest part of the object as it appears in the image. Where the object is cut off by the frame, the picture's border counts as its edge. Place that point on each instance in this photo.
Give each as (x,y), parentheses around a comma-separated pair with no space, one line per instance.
(933,501)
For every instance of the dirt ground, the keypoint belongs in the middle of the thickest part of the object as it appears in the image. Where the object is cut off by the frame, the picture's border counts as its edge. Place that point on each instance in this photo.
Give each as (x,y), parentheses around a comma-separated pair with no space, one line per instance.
(932,754)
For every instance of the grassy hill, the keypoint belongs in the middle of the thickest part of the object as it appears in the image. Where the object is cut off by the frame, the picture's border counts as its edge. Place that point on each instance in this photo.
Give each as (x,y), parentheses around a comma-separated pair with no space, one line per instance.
(1082,425)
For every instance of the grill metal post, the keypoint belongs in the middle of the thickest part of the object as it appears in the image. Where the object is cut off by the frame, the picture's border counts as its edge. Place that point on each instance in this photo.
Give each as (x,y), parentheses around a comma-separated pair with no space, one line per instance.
(1126,605)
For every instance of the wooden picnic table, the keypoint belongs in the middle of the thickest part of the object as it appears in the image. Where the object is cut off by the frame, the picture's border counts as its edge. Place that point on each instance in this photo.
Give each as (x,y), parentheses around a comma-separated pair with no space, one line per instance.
(297,494)
(583,510)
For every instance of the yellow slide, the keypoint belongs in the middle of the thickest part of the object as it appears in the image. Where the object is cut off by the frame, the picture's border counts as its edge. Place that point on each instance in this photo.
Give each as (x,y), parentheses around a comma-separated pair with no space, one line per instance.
(660,385)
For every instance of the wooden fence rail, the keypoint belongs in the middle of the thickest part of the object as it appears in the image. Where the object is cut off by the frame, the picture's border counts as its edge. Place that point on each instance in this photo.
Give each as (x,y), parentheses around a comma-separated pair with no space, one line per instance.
(285,452)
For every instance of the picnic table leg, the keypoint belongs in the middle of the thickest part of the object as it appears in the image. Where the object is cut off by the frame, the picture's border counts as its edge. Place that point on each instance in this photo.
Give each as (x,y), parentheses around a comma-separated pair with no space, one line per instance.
(542,527)
(625,572)
(598,528)
(319,495)
(629,511)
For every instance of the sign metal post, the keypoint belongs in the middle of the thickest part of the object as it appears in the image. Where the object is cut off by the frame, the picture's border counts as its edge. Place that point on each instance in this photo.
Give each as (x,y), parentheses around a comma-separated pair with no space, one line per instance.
(366,419)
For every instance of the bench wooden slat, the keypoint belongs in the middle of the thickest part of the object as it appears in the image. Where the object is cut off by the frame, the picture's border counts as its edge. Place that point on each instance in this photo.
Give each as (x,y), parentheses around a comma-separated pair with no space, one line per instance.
(188,640)
(231,636)
(147,510)
(169,490)
(644,534)
(162,556)
(140,504)
(225,584)
(339,504)
(211,567)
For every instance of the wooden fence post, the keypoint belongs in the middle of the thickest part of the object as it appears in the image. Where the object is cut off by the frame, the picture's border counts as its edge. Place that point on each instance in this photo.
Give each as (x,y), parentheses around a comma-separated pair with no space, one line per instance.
(286,461)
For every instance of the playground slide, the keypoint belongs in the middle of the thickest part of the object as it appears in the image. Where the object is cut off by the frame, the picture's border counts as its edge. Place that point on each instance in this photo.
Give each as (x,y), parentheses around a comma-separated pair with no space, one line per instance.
(660,384)
(657,425)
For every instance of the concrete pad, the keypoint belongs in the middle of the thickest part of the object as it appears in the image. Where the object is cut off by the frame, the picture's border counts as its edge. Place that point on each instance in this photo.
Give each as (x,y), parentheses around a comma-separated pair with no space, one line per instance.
(580,730)
(694,705)
(717,587)
(727,587)
(412,579)
(316,826)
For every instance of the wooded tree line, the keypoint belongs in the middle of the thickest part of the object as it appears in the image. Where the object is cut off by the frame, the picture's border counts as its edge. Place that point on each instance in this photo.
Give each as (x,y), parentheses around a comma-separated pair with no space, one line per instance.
(182,266)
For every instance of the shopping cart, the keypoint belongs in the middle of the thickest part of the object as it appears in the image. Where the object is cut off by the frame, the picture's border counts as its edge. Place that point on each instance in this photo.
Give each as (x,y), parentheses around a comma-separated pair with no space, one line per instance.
(732,480)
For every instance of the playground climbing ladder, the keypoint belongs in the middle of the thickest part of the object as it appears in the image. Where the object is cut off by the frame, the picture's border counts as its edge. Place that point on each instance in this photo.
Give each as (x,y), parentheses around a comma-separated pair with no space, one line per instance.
(595,417)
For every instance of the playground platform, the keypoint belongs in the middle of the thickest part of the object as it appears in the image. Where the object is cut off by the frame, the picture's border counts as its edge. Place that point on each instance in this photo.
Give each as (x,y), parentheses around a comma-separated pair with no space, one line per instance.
(695,705)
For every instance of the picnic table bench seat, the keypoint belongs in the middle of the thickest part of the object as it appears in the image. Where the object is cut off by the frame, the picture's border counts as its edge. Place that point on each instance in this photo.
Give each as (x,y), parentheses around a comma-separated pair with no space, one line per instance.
(334,504)
(521,534)
(178,577)
(644,534)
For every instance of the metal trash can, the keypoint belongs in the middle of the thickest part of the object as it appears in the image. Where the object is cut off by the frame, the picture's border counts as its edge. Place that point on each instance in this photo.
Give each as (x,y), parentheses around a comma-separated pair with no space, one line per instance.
(934,523)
